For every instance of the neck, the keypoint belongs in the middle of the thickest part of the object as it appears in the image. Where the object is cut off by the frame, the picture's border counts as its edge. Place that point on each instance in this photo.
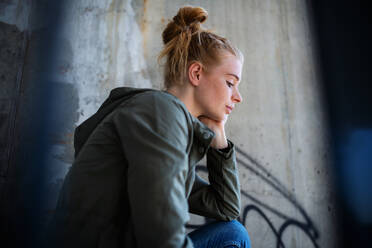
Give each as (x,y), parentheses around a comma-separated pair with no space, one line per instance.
(186,94)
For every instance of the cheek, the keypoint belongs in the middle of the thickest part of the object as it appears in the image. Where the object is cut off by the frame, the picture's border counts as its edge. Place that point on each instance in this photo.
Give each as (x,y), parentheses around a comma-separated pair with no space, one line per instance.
(215,91)
(222,91)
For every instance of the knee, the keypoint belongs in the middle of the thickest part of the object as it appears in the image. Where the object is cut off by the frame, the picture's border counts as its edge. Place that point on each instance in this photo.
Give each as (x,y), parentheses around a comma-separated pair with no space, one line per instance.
(239,235)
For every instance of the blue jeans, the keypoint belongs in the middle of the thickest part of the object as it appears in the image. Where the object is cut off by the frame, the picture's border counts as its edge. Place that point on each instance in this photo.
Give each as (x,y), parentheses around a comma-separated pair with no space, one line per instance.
(221,234)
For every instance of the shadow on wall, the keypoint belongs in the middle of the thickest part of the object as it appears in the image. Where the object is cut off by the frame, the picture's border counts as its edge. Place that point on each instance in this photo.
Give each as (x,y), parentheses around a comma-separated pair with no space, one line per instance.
(263,209)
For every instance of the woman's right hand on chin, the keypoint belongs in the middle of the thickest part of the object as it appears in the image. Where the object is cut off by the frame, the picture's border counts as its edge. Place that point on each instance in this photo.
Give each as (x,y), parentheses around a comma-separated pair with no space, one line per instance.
(218,127)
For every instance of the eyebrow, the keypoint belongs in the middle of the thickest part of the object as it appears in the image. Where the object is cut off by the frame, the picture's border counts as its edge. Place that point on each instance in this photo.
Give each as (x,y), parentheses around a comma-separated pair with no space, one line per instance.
(231,74)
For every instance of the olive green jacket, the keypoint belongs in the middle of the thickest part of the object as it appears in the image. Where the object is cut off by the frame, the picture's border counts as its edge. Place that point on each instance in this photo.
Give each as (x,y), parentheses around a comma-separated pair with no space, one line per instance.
(133,181)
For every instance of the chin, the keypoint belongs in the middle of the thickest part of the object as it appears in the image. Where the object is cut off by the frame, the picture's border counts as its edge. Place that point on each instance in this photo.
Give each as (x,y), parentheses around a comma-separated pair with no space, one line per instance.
(216,116)
(219,117)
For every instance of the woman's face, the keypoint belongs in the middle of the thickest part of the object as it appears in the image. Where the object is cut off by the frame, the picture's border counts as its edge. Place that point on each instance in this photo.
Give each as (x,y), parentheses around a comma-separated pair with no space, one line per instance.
(217,91)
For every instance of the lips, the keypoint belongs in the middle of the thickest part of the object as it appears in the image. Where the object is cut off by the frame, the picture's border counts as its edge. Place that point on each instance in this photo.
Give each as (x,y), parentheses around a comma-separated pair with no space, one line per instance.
(229,108)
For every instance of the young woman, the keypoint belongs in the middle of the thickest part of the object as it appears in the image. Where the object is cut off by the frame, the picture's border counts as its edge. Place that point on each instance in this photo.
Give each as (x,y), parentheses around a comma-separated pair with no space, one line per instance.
(133,180)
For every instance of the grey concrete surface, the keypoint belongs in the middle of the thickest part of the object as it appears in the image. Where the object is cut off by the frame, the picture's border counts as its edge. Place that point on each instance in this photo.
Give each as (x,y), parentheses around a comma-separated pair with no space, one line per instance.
(279,128)
(11,52)
(13,22)
(15,12)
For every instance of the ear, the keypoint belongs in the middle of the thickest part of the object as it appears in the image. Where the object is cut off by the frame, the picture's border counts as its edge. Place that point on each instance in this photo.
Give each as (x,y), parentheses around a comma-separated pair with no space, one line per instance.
(195,72)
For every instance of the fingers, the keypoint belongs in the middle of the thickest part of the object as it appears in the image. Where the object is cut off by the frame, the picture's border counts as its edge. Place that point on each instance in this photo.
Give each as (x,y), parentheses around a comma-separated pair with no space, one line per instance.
(206,119)
(216,126)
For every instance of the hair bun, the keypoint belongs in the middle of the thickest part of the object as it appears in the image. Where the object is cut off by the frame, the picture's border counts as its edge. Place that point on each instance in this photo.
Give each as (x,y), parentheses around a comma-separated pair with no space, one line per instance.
(187,18)
(189,15)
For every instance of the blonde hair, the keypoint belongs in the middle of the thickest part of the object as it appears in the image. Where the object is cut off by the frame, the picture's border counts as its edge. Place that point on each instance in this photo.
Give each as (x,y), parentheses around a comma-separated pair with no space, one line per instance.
(186,42)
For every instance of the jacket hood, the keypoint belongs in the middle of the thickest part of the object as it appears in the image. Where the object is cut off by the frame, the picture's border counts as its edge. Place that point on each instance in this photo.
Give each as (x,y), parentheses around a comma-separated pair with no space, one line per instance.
(116,97)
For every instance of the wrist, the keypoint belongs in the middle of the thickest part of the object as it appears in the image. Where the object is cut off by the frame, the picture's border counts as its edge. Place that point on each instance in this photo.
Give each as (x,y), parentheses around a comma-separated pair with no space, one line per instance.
(219,141)
(226,149)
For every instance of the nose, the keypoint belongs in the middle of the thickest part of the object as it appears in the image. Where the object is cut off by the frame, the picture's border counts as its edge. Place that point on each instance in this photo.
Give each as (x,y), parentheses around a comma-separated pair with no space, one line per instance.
(237,98)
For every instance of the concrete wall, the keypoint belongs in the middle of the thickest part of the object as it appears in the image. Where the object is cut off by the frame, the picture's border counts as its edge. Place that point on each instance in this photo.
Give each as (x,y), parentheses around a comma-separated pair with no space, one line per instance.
(279,129)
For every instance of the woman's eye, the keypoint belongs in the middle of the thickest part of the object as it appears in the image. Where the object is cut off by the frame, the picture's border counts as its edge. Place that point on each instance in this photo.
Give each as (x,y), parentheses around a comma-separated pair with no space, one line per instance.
(229,84)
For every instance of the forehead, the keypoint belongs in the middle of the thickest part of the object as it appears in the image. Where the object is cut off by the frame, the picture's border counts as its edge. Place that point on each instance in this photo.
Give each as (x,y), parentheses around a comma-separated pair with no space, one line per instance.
(230,65)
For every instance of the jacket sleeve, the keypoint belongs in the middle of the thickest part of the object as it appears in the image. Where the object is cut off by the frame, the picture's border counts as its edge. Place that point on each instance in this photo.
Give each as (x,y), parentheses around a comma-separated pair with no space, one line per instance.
(154,135)
(221,198)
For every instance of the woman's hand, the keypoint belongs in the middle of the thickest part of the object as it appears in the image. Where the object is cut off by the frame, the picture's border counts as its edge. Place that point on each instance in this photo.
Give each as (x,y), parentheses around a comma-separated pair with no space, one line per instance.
(218,127)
